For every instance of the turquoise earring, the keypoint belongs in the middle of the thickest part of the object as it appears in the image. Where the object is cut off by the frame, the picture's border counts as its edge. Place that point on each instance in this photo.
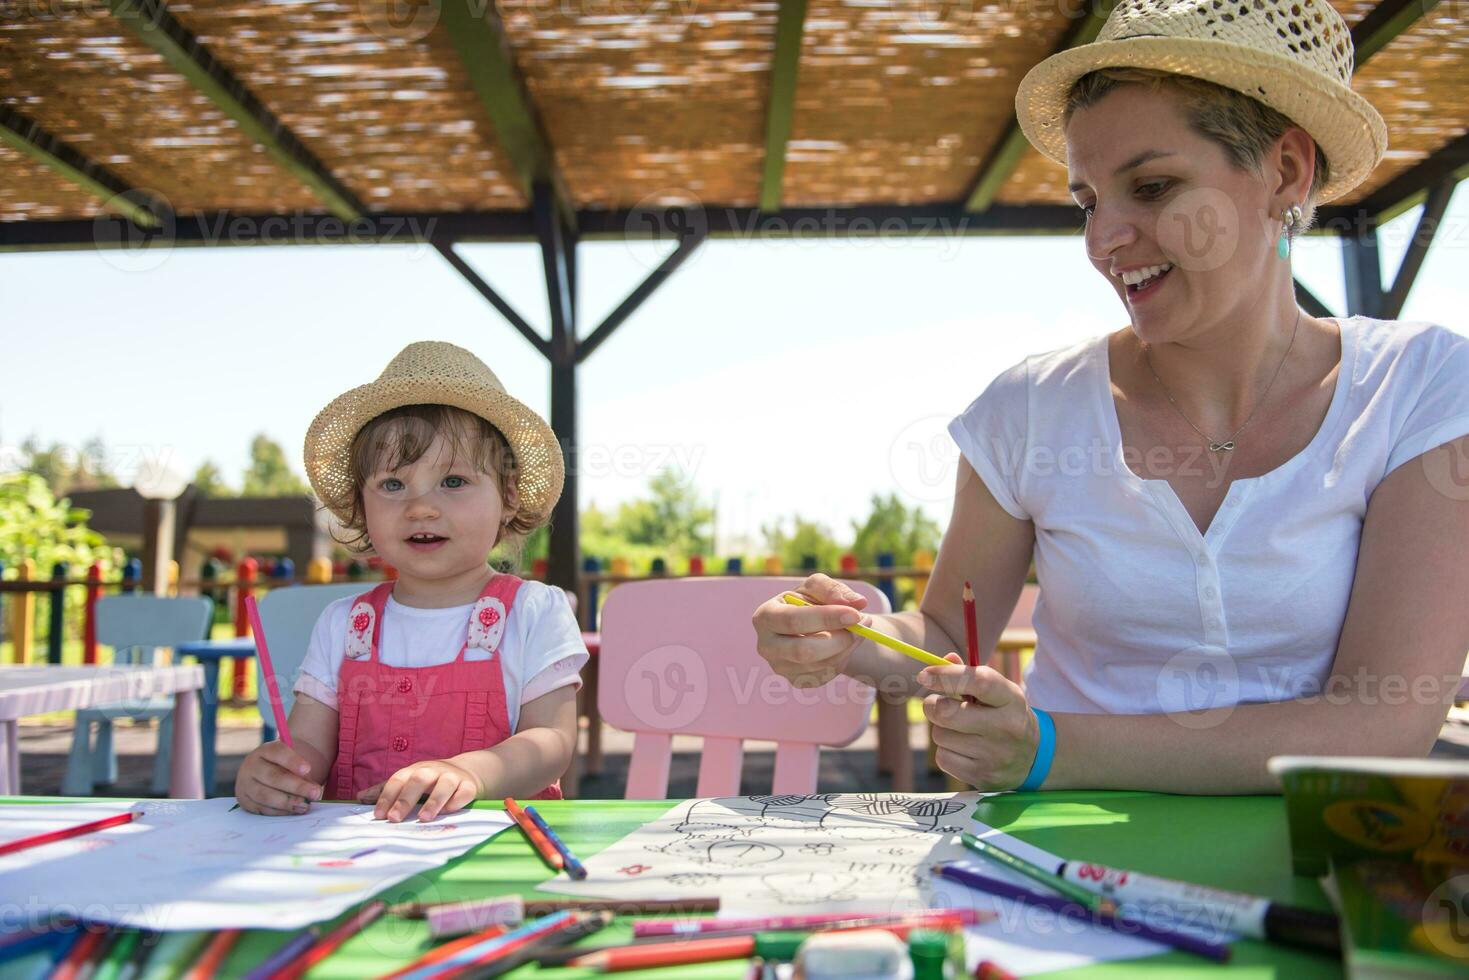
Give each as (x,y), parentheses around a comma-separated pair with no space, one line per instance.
(1290,216)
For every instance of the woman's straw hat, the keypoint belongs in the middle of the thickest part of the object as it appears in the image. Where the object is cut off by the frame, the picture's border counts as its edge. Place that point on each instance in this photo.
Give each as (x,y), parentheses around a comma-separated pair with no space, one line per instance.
(1292,55)
(434,373)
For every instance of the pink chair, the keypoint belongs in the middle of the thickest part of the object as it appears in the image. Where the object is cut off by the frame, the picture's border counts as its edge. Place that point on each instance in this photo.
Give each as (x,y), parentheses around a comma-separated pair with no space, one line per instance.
(678,657)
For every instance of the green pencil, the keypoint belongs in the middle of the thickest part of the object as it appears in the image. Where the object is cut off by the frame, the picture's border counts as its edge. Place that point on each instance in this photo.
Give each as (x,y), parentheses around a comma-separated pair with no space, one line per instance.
(174,954)
(1078,894)
(120,953)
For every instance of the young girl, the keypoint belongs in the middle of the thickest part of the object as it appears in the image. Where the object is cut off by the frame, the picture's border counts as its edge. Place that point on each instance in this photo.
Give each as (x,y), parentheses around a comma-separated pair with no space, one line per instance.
(453,682)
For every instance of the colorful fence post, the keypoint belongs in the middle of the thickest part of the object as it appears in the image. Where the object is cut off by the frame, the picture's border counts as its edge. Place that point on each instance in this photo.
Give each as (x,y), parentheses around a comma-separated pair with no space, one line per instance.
(772,565)
(887,585)
(808,563)
(319,570)
(23,614)
(355,570)
(132,574)
(245,576)
(734,566)
(173,577)
(696,564)
(659,567)
(590,566)
(539,568)
(57,625)
(89,614)
(2,598)
(923,561)
(849,564)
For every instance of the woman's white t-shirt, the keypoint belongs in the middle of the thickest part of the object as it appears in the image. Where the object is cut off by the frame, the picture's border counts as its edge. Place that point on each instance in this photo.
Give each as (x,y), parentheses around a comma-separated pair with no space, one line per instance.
(1140,613)
(541,650)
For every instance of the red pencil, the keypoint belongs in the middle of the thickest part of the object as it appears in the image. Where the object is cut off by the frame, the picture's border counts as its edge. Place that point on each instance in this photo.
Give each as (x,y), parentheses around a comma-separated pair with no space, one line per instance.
(447,950)
(328,944)
(51,836)
(79,955)
(971,626)
(538,840)
(267,671)
(214,955)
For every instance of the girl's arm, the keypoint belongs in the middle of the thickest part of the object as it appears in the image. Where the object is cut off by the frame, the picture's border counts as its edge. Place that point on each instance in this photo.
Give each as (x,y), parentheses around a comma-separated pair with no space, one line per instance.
(1398,665)
(522,765)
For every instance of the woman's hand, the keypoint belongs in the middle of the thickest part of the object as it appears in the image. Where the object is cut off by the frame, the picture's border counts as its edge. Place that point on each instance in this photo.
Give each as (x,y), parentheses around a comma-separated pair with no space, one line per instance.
(273,780)
(989,742)
(807,644)
(449,786)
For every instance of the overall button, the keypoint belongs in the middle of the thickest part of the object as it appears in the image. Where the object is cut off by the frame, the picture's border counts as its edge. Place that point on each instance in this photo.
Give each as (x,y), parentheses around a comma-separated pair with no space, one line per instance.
(405,685)
(400,744)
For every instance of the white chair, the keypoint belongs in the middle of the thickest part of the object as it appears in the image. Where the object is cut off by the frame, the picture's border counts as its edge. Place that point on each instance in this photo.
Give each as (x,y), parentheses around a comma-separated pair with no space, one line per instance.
(134,626)
(288,616)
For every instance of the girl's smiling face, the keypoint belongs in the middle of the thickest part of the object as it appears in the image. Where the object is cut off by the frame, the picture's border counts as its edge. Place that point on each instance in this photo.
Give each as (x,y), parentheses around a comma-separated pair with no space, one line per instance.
(436,518)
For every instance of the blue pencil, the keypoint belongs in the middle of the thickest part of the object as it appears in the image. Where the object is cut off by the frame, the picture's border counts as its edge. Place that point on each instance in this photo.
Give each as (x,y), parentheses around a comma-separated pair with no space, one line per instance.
(573,866)
(284,955)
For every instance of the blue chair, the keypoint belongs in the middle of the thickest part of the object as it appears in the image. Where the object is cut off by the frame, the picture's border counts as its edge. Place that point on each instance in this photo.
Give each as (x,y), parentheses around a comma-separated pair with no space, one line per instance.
(134,626)
(288,616)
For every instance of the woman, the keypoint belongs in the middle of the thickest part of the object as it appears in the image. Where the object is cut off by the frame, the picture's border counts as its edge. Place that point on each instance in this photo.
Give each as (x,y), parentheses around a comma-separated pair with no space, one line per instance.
(1244,520)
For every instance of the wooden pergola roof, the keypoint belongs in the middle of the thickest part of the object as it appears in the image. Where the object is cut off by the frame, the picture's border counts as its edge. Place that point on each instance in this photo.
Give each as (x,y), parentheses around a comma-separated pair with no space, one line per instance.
(223,122)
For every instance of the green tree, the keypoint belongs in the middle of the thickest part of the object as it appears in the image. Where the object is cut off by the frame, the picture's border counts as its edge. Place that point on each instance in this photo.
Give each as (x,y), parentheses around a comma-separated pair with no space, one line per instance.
(209,481)
(675,518)
(34,524)
(804,538)
(66,468)
(269,474)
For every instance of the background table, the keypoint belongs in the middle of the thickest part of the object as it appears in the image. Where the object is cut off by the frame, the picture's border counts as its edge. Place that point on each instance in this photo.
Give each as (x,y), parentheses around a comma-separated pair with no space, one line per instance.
(1231,842)
(42,689)
(209,653)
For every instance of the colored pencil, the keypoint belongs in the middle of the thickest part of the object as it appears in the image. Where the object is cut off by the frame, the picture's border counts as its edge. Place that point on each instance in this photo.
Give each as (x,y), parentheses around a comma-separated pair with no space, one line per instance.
(120,953)
(173,955)
(787,923)
(990,970)
(262,653)
(882,639)
(147,943)
(544,906)
(971,627)
(573,866)
(445,951)
(216,951)
(329,943)
(586,925)
(488,946)
(277,962)
(533,833)
(28,944)
(771,945)
(1034,872)
(466,917)
(1072,910)
(70,965)
(51,836)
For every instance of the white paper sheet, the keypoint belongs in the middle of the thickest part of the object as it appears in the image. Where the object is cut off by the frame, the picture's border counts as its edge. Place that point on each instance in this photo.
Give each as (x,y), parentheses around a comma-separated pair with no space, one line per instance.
(197,865)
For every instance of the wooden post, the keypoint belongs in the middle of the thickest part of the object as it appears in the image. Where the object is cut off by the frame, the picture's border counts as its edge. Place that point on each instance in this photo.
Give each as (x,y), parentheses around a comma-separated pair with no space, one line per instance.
(132,574)
(23,614)
(922,560)
(173,577)
(56,624)
(319,571)
(659,567)
(696,564)
(89,614)
(772,565)
(887,585)
(590,591)
(734,566)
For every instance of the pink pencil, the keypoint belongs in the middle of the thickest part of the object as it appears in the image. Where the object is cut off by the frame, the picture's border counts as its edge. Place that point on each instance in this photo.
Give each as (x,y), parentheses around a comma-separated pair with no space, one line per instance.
(776,923)
(272,691)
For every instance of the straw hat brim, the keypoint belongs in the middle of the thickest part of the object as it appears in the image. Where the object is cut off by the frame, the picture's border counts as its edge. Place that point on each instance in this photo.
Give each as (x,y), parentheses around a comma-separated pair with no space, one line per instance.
(541,467)
(1344,124)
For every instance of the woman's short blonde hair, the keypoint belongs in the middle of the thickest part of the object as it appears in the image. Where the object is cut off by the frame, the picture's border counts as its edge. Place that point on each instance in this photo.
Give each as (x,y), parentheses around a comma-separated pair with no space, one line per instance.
(1244,127)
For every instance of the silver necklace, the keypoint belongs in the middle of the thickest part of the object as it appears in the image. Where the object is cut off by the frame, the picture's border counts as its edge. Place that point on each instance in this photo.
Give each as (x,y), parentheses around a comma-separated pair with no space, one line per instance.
(1226,444)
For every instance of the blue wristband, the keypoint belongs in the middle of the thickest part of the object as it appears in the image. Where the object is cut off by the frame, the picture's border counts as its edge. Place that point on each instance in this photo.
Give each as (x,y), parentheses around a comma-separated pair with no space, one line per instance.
(1045,751)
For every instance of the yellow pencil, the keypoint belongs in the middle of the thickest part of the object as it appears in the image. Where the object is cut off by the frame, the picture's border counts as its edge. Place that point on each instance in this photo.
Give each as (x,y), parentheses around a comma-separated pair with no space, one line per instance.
(892,643)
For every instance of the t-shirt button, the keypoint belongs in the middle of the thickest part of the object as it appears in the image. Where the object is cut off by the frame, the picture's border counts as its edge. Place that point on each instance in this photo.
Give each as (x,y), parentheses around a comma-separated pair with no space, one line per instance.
(400,744)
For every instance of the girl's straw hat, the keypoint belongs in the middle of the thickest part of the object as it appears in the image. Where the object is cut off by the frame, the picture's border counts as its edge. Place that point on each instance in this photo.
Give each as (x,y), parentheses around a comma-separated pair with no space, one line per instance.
(435,373)
(1292,55)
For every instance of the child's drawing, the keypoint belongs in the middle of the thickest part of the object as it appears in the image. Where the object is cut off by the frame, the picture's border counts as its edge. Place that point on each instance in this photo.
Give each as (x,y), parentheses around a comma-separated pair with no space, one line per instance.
(838,851)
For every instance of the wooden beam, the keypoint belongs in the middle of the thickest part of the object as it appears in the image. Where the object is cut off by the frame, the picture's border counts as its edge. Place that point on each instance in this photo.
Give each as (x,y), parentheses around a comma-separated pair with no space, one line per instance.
(446,249)
(25,135)
(1006,155)
(790,28)
(1310,302)
(478,36)
(1411,187)
(155,26)
(1423,234)
(686,247)
(1362,263)
(1386,21)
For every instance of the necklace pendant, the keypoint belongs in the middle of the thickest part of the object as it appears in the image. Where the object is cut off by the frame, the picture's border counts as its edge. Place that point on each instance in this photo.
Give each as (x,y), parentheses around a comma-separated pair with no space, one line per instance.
(1221,447)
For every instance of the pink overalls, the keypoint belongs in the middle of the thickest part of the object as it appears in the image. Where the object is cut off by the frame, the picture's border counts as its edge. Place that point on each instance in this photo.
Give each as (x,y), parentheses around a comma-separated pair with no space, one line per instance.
(392,717)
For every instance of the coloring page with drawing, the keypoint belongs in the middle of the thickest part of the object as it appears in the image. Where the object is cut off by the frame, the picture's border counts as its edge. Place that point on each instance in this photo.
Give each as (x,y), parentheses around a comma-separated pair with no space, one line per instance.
(218,869)
(774,855)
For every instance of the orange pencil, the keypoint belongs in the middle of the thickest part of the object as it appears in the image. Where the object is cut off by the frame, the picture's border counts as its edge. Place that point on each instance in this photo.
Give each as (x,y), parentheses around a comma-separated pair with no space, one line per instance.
(214,955)
(538,840)
(79,955)
(677,953)
(447,950)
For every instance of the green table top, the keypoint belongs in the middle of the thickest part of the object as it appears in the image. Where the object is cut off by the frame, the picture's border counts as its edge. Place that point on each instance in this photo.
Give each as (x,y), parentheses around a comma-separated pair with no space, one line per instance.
(1235,842)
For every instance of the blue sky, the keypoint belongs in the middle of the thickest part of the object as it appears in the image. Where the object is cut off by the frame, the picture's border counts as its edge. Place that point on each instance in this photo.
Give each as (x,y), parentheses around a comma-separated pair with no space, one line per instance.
(784,377)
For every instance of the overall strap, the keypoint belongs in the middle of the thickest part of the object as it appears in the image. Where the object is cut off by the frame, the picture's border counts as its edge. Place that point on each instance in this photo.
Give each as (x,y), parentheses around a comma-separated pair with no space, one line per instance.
(365,623)
(491,612)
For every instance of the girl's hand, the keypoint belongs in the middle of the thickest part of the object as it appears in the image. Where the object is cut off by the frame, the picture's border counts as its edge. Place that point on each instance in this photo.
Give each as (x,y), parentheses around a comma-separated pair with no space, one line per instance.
(807,644)
(273,780)
(449,787)
(989,742)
